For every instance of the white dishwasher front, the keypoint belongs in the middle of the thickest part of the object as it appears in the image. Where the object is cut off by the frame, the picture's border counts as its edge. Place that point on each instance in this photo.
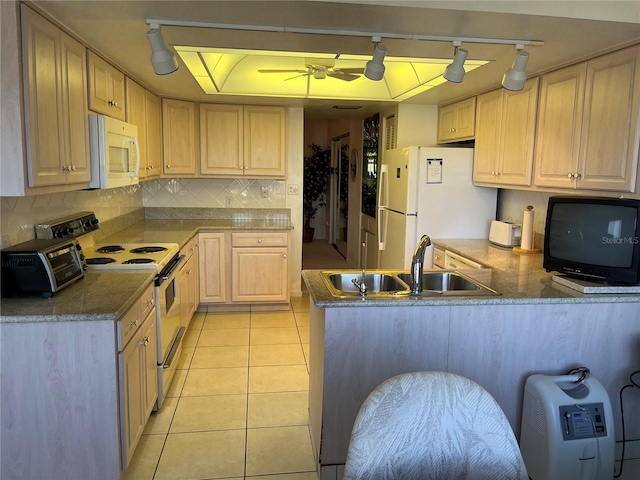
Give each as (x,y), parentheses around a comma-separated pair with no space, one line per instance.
(454,261)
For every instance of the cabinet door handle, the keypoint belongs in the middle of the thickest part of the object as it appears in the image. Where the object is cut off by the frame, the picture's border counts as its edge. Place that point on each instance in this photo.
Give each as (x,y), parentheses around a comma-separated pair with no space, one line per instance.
(259,240)
(133,324)
(144,342)
(189,272)
(576,175)
(168,166)
(284,255)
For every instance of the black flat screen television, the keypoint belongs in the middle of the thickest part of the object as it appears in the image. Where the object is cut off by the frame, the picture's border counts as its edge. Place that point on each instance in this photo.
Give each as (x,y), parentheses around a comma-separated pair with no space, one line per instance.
(593,238)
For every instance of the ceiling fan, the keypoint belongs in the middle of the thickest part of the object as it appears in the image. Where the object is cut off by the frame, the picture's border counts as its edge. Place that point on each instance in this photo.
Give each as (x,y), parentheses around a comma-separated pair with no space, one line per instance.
(320,69)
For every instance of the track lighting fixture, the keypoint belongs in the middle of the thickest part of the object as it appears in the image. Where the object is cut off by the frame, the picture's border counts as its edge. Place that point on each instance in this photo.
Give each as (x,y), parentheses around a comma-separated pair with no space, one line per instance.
(162,59)
(515,77)
(374,69)
(455,71)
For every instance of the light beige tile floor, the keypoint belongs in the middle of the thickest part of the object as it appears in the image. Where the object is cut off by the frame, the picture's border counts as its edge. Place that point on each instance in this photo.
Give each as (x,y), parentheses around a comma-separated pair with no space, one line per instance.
(237,407)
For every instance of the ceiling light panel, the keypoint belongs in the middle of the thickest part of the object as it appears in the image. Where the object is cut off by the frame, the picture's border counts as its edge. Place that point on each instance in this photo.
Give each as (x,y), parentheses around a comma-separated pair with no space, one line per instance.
(257,73)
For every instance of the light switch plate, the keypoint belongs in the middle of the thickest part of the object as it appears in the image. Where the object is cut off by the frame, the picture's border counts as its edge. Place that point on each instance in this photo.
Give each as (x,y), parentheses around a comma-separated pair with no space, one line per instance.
(264,192)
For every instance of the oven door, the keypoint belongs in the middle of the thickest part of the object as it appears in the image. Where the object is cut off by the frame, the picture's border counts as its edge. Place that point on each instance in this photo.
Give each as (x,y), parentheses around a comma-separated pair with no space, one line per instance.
(169,331)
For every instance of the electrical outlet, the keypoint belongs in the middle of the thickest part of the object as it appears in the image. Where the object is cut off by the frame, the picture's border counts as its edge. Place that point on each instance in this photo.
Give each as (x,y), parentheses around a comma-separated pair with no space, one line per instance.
(293,189)
(228,201)
(264,192)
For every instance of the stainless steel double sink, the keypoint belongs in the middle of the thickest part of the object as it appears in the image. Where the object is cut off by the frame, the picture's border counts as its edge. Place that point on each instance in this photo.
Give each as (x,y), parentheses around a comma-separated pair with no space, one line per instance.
(394,284)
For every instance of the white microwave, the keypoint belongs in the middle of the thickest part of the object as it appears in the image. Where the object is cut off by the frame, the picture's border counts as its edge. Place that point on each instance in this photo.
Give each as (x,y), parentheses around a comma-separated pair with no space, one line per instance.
(115,156)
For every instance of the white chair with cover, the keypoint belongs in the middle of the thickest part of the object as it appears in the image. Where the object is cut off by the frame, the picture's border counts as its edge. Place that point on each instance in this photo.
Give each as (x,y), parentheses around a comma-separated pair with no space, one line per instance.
(432,426)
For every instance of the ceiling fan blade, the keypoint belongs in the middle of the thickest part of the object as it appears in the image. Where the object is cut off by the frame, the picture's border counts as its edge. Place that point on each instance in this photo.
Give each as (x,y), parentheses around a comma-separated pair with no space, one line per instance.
(281,71)
(305,74)
(343,76)
(349,70)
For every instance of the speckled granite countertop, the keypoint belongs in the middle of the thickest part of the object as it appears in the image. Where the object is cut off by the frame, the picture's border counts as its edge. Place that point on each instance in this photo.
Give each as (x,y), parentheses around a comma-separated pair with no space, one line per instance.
(520,279)
(98,296)
(179,225)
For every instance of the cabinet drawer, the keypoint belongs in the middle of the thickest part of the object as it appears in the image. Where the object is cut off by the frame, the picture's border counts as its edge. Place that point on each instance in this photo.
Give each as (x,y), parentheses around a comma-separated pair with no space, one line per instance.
(259,239)
(127,325)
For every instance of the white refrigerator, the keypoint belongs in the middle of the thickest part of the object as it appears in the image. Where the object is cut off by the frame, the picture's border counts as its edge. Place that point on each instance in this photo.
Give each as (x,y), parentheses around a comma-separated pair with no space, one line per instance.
(429,191)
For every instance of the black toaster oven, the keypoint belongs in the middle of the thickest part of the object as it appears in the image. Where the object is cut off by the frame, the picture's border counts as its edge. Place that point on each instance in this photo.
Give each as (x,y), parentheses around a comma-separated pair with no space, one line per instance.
(42,266)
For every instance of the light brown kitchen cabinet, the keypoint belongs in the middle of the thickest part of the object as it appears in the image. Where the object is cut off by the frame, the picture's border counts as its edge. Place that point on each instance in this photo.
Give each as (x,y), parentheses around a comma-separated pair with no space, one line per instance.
(260,267)
(154,135)
(559,123)
(188,282)
(265,141)
(243,140)
(591,140)
(213,269)
(456,122)
(505,127)
(221,145)
(57,127)
(137,372)
(106,88)
(144,111)
(179,138)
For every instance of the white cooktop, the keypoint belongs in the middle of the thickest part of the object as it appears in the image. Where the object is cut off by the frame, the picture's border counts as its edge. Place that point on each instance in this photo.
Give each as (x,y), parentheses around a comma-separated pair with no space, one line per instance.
(124,255)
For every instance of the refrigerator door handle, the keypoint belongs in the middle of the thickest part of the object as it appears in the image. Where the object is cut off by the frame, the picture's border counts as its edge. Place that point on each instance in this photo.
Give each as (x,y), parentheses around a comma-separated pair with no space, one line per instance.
(384,186)
(381,238)
(383,196)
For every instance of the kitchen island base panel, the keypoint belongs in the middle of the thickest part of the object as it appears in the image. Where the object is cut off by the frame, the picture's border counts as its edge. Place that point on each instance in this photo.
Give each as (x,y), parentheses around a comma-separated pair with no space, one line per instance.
(59,400)
(498,346)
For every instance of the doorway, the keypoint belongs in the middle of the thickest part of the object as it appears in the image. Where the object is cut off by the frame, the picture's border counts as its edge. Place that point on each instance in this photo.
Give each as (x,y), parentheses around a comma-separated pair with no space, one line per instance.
(339,198)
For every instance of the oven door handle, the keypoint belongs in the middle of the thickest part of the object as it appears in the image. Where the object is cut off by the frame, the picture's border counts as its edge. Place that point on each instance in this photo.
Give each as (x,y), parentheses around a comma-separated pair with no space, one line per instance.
(174,347)
(165,275)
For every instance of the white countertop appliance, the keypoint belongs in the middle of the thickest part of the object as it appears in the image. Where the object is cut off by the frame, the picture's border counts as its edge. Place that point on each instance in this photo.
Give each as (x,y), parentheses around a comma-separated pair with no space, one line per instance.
(505,234)
(428,191)
(567,428)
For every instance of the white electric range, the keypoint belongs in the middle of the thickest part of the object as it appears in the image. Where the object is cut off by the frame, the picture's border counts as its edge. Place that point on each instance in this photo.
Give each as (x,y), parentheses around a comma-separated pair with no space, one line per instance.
(163,258)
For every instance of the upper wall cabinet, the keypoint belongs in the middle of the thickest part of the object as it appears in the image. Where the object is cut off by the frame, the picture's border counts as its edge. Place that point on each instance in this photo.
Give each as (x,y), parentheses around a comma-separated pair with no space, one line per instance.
(144,111)
(57,127)
(588,127)
(179,138)
(505,124)
(456,122)
(154,135)
(106,88)
(242,140)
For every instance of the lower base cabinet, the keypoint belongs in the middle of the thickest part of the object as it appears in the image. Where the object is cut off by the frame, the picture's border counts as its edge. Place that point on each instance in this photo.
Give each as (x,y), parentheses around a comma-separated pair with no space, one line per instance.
(138,380)
(258,270)
(76,395)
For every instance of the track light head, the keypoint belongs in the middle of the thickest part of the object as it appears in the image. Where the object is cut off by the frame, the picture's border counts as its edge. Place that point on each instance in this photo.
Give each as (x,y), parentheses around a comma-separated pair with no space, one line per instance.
(515,77)
(455,71)
(374,69)
(162,59)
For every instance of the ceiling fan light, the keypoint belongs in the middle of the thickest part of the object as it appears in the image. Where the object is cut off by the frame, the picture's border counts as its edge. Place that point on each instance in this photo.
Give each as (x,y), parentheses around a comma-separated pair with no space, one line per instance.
(455,71)
(374,69)
(515,77)
(162,59)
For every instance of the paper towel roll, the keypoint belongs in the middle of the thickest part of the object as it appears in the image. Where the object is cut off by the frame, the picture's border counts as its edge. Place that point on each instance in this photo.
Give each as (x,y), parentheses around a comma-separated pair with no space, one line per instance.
(527,229)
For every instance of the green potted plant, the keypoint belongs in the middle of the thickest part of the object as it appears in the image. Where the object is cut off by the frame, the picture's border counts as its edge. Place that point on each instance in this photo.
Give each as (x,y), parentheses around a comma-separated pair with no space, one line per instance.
(317,169)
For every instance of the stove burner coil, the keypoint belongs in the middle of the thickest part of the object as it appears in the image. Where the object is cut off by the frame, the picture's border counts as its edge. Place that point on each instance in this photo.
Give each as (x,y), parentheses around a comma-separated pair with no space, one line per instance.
(138,260)
(149,249)
(110,249)
(99,261)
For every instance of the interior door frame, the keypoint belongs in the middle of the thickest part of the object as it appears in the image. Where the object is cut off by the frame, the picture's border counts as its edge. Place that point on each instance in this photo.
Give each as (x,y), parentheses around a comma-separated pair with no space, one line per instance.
(333,197)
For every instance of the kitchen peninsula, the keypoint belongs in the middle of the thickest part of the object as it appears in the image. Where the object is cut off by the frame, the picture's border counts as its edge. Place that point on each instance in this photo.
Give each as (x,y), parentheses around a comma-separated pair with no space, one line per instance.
(533,326)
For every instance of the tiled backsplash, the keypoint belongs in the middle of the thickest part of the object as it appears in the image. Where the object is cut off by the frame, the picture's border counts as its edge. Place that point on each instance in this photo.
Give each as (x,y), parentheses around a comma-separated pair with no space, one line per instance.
(214,193)
(20,214)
